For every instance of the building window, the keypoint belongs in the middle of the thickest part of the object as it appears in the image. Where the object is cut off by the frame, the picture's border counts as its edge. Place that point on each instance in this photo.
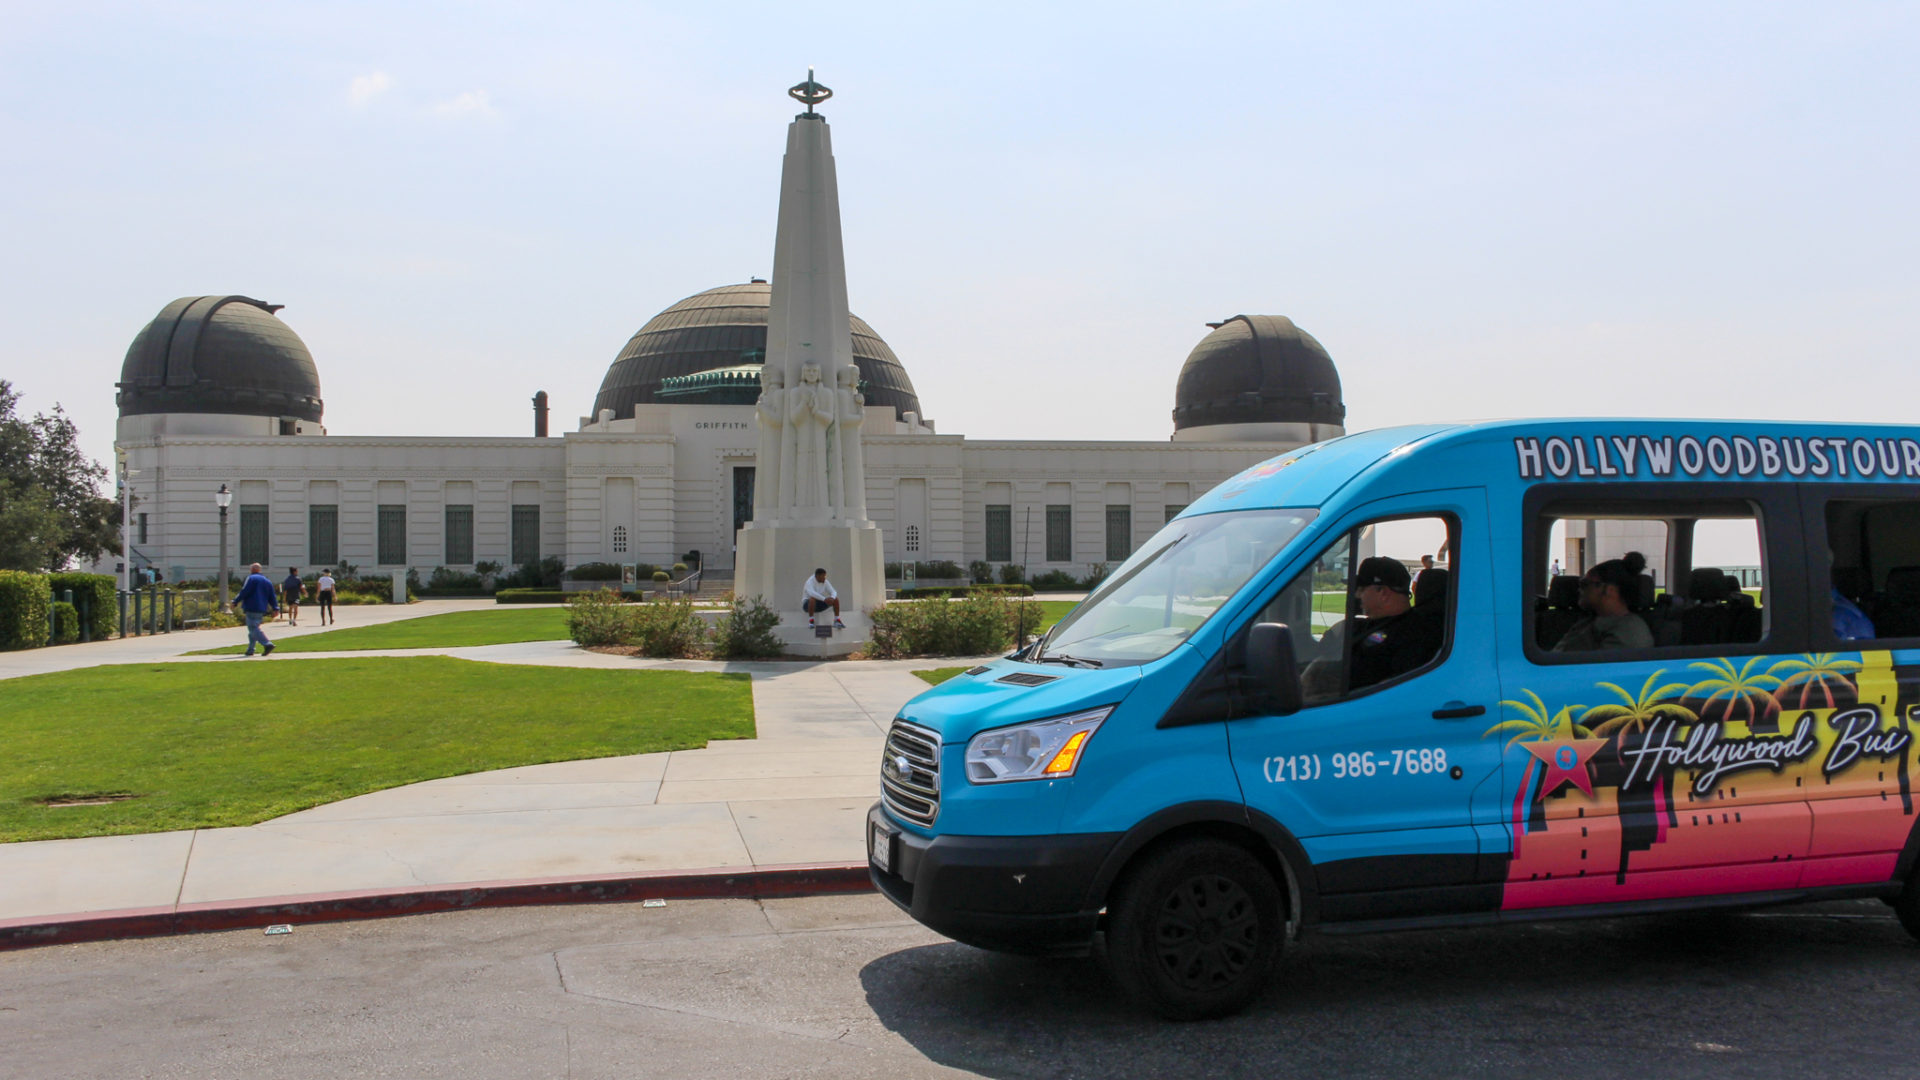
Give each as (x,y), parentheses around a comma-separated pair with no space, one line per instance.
(1059,533)
(1000,533)
(459,534)
(253,534)
(526,533)
(392,534)
(143,530)
(1119,533)
(323,535)
(1173,510)
(619,539)
(913,539)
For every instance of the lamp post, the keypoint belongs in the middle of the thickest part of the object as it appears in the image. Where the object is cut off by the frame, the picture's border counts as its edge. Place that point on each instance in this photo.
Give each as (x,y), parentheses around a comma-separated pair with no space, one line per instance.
(222,499)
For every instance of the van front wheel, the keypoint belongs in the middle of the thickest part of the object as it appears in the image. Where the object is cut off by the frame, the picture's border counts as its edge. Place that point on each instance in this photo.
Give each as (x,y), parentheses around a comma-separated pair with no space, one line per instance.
(1194,930)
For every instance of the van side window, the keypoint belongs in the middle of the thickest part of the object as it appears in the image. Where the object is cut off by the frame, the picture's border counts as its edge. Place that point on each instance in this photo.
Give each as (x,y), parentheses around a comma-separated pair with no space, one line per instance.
(1875,568)
(1375,607)
(1618,575)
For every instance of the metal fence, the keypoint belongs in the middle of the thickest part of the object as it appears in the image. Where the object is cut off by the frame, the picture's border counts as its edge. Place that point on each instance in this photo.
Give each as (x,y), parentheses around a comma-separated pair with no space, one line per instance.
(156,610)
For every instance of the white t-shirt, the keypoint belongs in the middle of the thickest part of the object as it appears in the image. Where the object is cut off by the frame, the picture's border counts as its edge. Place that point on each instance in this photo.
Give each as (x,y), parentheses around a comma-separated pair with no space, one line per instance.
(819,590)
(325,584)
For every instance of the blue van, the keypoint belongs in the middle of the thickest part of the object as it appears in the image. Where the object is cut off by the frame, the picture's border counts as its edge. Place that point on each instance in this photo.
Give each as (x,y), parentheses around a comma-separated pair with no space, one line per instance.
(1266,723)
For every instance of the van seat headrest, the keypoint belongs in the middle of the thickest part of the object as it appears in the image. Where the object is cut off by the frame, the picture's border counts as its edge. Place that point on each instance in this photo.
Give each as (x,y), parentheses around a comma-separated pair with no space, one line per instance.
(1706,584)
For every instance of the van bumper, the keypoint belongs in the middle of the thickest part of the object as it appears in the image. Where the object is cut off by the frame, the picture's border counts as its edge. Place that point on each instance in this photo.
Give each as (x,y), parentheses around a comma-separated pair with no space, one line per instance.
(1022,894)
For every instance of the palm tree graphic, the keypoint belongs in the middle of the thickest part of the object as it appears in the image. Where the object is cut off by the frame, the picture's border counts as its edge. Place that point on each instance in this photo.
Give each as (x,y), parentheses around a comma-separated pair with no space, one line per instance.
(1813,673)
(1635,712)
(1738,686)
(1535,724)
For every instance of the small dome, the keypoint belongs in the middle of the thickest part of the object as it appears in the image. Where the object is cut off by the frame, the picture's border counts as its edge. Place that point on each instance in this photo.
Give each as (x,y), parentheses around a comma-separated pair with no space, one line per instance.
(219,354)
(726,328)
(1258,369)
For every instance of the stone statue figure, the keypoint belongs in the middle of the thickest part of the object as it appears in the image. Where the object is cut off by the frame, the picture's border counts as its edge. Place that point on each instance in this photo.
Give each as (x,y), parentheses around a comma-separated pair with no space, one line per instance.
(771,416)
(810,410)
(849,468)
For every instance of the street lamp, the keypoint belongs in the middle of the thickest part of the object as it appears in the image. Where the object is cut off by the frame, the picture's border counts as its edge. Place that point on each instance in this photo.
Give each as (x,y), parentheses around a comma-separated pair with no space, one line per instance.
(222,499)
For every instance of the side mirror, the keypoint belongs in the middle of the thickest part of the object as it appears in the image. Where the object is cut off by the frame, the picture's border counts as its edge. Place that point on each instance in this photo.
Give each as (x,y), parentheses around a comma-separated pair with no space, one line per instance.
(1271,668)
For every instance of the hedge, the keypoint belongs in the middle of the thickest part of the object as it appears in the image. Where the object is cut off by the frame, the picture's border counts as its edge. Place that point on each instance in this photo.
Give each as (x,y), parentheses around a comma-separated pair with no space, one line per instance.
(103,614)
(939,592)
(66,623)
(530,596)
(26,600)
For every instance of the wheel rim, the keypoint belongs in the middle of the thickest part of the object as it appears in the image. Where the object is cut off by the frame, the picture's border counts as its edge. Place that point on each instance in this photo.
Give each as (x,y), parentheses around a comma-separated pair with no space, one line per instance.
(1206,933)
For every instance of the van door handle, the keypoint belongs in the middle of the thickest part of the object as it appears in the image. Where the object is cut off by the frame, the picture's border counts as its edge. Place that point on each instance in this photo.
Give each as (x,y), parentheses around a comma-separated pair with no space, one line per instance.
(1458,710)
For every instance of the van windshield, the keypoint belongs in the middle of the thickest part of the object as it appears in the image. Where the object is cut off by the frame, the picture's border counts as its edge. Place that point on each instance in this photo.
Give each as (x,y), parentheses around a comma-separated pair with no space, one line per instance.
(1171,586)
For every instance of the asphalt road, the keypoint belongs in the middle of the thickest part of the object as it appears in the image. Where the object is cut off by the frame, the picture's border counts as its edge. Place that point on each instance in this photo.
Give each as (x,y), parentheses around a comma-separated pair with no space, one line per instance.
(843,987)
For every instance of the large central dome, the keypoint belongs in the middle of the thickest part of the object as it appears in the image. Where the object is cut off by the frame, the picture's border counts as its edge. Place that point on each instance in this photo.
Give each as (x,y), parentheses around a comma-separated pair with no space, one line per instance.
(727,328)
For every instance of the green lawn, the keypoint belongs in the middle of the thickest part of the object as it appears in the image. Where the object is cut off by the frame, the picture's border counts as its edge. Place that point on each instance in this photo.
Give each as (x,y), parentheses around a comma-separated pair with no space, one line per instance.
(453,629)
(1056,610)
(204,745)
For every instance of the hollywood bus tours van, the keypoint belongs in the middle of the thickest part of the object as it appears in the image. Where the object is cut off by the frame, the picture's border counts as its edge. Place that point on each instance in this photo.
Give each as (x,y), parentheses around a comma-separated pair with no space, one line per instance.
(1265,724)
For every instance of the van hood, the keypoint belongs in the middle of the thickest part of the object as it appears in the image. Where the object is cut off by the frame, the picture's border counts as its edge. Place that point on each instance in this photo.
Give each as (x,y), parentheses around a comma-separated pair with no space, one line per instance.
(966,705)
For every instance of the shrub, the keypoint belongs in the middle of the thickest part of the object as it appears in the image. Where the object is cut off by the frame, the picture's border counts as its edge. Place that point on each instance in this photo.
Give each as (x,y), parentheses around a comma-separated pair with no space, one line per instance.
(1055,579)
(595,571)
(1096,574)
(1012,574)
(745,632)
(66,623)
(941,568)
(25,600)
(680,568)
(971,627)
(667,628)
(980,571)
(661,577)
(1024,619)
(95,596)
(598,618)
(929,592)
(545,574)
(529,596)
(445,579)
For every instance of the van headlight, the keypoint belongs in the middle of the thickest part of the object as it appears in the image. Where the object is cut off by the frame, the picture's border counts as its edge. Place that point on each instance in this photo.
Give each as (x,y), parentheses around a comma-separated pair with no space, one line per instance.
(1041,750)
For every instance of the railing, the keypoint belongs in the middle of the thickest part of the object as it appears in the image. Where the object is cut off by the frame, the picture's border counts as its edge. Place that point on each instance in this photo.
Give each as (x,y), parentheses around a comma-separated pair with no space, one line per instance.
(156,610)
(688,585)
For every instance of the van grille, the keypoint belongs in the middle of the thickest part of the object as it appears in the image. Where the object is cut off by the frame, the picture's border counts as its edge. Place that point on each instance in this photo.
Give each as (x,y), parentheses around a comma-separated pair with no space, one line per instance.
(913,793)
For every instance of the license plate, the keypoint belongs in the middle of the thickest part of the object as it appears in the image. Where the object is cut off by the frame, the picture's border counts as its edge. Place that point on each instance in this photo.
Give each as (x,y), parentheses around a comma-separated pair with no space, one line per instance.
(880,844)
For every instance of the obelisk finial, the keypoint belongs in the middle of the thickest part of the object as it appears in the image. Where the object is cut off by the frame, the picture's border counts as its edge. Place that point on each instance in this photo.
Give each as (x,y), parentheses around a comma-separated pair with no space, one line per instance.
(809,93)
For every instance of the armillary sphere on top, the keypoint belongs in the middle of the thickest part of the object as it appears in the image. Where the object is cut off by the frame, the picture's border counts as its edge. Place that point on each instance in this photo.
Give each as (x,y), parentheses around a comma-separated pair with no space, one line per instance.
(809,93)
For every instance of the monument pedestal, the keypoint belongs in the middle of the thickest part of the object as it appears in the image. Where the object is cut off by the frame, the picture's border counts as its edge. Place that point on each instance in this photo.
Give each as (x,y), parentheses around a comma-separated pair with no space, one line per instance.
(775,559)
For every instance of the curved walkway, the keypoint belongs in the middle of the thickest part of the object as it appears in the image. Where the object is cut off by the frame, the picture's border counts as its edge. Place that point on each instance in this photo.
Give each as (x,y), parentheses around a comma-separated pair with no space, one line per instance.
(783,812)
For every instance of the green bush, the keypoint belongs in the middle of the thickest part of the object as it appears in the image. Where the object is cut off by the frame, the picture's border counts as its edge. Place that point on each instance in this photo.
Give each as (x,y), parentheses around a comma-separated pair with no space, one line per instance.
(1012,574)
(1096,574)
(529,596)
(972,627)
(667,628)
(445,580)
(945,591)
(598,618)
(980,571)
(96,595)
(545,574)
(25,600)
(66,623)
(1055,579)
(745,632)
(595,571)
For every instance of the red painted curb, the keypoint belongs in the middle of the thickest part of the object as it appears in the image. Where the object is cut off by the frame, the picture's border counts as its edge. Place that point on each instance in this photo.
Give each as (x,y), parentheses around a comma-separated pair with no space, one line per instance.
(764,882)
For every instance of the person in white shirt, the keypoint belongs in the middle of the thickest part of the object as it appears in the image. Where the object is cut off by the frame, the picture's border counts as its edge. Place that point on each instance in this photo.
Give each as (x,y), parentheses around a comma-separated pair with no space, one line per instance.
(323,592)
(818,594)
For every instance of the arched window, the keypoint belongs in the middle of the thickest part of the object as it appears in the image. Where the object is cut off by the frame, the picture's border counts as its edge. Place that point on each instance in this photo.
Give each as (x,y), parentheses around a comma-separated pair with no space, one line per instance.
(619,539)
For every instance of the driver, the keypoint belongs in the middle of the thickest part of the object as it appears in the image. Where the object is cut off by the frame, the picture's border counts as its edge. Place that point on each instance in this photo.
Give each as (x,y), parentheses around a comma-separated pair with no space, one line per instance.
(1392,640)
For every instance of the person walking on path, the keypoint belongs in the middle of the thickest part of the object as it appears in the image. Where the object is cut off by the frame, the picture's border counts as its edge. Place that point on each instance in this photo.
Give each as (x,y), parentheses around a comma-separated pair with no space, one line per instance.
(290,592)
(323,592)
(256,602)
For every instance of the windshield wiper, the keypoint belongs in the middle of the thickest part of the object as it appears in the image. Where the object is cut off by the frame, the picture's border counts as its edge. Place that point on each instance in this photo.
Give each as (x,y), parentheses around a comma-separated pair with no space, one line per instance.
(1070,661)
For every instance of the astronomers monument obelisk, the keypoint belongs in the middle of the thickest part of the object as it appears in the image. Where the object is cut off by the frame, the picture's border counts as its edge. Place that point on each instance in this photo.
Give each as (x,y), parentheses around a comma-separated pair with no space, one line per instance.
(809,505)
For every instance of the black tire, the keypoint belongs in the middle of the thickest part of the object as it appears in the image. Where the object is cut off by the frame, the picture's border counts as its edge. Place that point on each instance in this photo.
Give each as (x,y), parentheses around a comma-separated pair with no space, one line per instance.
(1194,929)
(1907,905)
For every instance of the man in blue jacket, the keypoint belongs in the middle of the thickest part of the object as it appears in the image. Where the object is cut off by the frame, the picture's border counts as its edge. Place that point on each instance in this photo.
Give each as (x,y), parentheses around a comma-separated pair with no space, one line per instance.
(256,600)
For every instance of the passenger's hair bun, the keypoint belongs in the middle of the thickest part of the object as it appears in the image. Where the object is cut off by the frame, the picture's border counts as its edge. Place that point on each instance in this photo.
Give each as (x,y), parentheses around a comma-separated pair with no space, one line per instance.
(1636,562)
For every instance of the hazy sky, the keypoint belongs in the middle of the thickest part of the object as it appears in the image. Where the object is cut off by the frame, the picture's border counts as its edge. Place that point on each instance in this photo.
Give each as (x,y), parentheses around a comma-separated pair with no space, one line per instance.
(1480,210)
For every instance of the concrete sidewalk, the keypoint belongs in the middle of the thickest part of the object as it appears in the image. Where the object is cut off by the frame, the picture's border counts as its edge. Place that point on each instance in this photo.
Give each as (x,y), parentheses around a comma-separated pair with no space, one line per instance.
(792,799)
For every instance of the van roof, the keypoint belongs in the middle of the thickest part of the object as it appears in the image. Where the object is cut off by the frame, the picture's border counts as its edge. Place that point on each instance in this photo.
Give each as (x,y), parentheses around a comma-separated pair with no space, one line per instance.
(1585,449)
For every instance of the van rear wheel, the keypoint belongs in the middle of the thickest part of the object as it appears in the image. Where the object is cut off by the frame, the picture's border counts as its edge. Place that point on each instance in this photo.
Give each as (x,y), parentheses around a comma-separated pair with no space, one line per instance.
(1194,930)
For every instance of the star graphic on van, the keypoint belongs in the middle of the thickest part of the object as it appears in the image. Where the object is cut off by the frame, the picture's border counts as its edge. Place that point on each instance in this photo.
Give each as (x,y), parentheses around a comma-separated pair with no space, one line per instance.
(1565,760)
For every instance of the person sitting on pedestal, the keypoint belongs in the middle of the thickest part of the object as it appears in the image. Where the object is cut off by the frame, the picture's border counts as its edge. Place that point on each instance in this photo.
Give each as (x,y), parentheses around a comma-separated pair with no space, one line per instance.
(818,594)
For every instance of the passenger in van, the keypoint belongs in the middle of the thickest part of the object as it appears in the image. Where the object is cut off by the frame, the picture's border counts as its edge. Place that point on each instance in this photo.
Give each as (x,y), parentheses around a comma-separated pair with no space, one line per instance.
(1607,594)
(1849,622)
(1393,640)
